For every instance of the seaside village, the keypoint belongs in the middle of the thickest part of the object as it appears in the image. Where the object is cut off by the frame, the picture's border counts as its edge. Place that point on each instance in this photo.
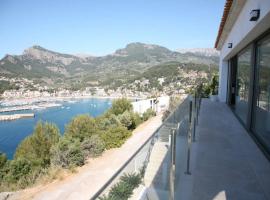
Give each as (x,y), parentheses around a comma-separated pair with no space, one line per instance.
(26,88)
(40,98)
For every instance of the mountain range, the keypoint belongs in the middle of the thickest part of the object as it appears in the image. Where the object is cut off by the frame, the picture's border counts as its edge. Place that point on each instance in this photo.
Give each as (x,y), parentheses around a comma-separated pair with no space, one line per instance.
(45,65)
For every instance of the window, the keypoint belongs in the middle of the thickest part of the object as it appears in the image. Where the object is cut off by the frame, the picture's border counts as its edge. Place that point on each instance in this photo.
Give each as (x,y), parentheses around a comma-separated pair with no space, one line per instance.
(261,121)
(242,84)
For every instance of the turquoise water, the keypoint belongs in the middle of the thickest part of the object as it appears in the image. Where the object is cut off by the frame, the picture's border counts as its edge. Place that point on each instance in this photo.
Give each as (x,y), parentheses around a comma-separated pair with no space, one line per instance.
(13,132)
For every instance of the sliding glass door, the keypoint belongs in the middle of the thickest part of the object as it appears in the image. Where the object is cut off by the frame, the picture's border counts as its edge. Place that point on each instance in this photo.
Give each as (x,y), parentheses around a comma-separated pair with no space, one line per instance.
(261,116)
(242,85)
(249,89)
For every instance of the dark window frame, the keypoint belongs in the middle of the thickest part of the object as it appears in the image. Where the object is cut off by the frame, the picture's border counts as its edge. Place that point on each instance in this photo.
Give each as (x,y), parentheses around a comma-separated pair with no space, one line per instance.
(252,90)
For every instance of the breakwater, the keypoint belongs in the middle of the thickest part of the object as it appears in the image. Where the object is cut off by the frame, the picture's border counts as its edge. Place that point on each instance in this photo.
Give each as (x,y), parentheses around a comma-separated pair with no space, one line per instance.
(16,116)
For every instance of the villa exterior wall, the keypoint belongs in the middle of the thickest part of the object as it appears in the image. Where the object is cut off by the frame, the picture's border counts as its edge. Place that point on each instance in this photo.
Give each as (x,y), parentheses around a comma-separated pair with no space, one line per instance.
(142,105)
(241,34)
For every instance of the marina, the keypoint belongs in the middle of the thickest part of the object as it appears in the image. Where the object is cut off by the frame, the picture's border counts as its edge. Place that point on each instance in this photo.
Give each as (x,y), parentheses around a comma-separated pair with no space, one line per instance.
(29,107)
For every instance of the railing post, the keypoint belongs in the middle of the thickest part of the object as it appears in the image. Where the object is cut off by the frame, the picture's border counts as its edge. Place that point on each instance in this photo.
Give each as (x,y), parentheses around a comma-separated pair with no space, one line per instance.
(190,111)
(197,113)
(172,164)
(189,139)
(194,129)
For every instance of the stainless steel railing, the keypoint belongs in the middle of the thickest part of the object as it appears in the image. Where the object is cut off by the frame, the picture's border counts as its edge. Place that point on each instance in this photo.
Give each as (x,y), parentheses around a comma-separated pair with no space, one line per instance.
(183,120)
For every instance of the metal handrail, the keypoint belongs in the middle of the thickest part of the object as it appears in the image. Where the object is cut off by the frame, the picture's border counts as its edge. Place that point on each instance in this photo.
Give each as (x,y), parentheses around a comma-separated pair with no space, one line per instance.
(152,137)
(99,192)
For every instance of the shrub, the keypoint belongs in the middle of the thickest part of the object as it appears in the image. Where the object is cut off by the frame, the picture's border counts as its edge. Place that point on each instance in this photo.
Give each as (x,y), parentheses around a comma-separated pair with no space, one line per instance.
(18,169)
(36,147)
(124,188)
(130,120)
(115,137)
(3,159)
(214,85)
(126,119)
(81,127)
(148,114)
(210,88)
(136,120)
(119,106)
(94,146)
(206,90)
(67,153)
(132,179)
(107,121)
(121,190)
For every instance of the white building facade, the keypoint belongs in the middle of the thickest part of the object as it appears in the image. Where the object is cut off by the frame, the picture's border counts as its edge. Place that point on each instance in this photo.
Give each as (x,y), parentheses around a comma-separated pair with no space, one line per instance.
(244,83)
(158,105)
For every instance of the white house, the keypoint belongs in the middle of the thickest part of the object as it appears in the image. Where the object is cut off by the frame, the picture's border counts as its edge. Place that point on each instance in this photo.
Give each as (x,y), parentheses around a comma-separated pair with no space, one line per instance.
(157,104)
(244,43)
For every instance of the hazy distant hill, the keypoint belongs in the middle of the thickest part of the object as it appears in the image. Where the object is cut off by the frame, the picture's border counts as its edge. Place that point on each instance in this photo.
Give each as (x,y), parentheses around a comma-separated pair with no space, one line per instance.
(135,58)
(200,51)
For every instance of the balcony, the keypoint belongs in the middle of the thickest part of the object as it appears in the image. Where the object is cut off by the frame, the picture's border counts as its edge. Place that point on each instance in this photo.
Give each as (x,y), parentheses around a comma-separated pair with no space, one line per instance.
(225,161)
(201,152)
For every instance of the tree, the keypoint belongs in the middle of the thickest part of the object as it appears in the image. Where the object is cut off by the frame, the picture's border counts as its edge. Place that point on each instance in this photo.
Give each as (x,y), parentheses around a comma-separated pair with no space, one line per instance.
(115,137)
(119,106)
(18,169)
(93,146)
(81,127)
(107,121)
(36,147)
(126,119)
(67,153)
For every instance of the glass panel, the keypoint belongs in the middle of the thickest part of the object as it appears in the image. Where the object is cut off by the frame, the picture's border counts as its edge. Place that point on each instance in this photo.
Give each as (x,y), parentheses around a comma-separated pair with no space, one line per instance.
(242,84)
(262,109)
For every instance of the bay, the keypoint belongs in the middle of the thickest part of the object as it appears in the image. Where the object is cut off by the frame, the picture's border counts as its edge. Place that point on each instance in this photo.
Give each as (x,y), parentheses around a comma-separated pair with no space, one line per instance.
(13,132)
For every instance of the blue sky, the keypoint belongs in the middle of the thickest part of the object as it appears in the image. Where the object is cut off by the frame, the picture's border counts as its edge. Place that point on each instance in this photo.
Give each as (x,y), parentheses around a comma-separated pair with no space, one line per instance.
(99,27)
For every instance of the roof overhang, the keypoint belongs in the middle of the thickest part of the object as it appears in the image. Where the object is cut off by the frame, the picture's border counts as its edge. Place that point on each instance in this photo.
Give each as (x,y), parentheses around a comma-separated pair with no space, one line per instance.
(231,11)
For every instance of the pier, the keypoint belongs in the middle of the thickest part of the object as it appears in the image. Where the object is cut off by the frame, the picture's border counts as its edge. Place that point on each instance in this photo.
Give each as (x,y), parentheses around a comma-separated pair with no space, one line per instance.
(16,116)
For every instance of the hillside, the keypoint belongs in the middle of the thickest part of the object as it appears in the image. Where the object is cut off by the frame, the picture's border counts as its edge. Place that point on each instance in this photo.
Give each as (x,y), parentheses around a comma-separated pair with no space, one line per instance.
(64,70)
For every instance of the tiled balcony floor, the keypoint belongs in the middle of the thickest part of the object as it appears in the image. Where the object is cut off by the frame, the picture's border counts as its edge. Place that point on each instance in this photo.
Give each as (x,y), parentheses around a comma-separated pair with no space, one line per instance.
(225,161)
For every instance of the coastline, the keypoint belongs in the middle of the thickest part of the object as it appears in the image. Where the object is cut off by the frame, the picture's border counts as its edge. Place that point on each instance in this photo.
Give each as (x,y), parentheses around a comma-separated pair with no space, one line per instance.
(33,100)
(93,175)
(38,103)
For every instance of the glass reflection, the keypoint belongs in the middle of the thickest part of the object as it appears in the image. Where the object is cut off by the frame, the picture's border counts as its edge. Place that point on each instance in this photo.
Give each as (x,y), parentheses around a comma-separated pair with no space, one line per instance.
(262,109)
(242,84)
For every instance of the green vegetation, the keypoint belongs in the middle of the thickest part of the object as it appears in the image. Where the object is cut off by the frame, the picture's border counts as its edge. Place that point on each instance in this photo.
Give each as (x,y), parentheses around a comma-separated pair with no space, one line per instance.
(210,88)
(45,150)
(120,106)
(67,153)
(148,114)
(174,102)
(81,127)
(124,188)
(36,147)
(92,147)
(214,85)
(115,137)
(5,85)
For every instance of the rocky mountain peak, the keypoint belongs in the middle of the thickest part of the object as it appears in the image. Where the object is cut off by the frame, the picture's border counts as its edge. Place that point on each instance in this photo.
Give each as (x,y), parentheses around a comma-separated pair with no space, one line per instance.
(40,53)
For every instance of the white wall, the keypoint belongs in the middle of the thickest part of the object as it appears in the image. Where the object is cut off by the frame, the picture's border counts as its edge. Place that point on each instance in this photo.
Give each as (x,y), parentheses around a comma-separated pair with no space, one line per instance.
(242,33)
(142,105)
